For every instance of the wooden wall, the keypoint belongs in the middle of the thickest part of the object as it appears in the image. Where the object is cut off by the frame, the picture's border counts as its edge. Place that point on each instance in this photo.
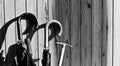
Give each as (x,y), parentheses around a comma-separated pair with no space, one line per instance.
(84,27)
(110,41)
(116,32)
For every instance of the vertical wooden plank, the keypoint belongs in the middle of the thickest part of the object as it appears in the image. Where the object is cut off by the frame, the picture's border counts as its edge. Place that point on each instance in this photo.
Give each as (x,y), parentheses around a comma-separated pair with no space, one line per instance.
(63,14)
(110,33)
(86,35)
(2,22)
(65,21)
(75,32)
(20,7)
(104,29)
(116,33)
(41,20)
(96,32)
(31,6)
(1,14)
(9,14)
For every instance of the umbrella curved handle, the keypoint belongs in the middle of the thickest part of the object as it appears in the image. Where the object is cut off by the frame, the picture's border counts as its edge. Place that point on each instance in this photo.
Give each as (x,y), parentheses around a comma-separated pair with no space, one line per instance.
(56,25)
(31,23)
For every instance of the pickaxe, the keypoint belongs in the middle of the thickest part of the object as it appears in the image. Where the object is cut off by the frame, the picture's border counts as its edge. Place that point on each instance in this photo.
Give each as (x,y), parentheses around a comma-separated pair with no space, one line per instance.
(63,51)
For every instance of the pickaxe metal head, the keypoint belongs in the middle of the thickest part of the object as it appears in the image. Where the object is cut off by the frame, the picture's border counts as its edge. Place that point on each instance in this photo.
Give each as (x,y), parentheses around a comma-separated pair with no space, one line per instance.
(64,44)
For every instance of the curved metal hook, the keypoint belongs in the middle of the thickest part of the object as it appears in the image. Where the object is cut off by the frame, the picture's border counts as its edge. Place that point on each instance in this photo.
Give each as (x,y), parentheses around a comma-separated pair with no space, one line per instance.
(31,23)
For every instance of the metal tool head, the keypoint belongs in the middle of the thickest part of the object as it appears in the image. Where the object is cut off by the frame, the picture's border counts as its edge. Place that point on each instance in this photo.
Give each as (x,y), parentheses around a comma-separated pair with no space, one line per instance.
(61,43)
(31,22)
(63,51)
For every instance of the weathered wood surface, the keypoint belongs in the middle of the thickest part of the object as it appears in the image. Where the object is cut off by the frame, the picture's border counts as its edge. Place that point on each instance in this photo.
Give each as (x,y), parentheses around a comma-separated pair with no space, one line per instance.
(62,14)
(85,26)
(110,33)
(96,34)
(116,33)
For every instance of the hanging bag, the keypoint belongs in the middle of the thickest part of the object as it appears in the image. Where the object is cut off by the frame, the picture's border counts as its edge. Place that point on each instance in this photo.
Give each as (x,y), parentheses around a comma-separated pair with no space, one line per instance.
(17,49)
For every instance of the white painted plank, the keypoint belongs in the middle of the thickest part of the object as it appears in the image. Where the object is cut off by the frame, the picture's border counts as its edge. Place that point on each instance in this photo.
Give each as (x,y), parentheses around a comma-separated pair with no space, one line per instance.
(116,48)
(2,23)
(20,7)
(9,14)
(41,20)
(109,38)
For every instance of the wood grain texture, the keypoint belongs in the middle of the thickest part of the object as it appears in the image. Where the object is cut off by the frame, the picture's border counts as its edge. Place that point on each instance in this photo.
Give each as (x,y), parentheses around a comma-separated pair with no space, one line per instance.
(86,33)
(104,33)
(96,33)
(76,58)
(85,25)
(65,10)
(62,13)
(110,32)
